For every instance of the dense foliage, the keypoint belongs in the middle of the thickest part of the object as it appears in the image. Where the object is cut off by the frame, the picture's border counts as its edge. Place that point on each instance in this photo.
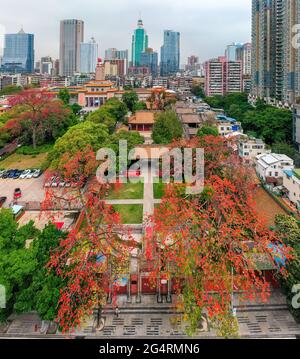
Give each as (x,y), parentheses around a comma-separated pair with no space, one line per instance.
(167,128)
(112,112)
(266,122)
(288,229)
(24,253)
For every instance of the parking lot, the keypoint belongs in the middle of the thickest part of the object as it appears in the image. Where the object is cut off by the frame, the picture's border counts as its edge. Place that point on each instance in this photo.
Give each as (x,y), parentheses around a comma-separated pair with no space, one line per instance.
(41,219)
(32,189)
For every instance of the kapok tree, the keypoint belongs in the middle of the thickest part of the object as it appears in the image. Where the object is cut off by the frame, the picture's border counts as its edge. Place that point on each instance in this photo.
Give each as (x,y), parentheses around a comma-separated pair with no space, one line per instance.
(41,114)
(208,244)
(92,256)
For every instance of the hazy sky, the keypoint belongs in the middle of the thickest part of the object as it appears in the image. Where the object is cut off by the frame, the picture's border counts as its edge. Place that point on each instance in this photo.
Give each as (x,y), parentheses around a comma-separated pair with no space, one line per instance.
(206,26)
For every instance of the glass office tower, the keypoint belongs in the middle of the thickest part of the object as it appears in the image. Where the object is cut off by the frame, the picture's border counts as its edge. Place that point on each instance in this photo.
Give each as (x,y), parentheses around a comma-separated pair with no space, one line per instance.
(170,53)
(18,55)
(139,43)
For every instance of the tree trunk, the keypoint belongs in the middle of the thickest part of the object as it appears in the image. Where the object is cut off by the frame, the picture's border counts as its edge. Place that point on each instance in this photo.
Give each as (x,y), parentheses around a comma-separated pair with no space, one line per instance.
(34,138)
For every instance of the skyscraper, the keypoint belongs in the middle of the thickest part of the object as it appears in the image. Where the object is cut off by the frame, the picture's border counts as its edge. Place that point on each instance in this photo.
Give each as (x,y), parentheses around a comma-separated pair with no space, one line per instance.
(246,58)
(139,43)
(88,56)
(71,36)
(149,59)
(18,56)
(170,53)
(275,59)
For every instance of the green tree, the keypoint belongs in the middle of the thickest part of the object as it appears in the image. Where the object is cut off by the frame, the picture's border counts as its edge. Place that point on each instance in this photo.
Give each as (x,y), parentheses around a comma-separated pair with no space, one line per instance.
(167,128)
(109,114)
(10,90)
(77,138)
(288,229)
(208,131)
(198,91)
(130,99)
(139,106)
(64,96)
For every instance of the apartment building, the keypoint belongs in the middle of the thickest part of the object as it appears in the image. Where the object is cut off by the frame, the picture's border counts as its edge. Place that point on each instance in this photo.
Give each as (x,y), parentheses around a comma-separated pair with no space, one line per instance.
(270,167)
(223,76)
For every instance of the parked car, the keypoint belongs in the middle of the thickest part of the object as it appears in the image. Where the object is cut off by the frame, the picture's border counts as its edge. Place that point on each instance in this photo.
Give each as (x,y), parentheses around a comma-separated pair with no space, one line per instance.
(49,182)
(37,173)
(24,174)
(2,201)
(6,174)
(17,174)
(17,193)
(62,183)
(55,182)
(30,174)
(12,173)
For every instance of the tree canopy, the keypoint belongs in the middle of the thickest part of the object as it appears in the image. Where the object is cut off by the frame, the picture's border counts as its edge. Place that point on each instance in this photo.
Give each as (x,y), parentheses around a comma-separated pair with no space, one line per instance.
(271,124)
(77,138)
(37,117)
(288,229)
(167,128)
(207,130)
(30,286)
(112,112)
(130,98)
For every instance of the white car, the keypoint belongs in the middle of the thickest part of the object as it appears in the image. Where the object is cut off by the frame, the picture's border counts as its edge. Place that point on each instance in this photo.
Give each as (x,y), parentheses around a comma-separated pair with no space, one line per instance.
(37,173)
(30,174)
(24,174)
(55,182)
(49,182)
(62,183)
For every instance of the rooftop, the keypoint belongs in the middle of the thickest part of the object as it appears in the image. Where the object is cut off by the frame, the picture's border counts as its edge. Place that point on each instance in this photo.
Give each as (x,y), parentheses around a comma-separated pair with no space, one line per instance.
(143,117)
(272,158)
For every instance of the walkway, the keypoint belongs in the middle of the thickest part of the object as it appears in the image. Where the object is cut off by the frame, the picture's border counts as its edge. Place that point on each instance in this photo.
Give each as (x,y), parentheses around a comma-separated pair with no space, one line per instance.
(148,201)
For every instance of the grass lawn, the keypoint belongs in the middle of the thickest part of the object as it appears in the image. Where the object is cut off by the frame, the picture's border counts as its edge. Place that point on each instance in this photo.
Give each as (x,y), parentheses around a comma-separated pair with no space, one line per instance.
(130,213)
(158,189)
(127,191)
(22,162)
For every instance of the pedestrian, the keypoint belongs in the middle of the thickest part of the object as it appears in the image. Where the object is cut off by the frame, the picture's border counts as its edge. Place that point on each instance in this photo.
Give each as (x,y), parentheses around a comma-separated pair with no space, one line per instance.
(117,311)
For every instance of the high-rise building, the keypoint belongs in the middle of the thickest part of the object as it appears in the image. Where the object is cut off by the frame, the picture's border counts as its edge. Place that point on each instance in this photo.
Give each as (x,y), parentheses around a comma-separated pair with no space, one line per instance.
(18,55)
(275,59)
(88,56)
(246,58)
(170,53)
(139,44)
(233,52)
(110,54)
(46,65)
(149,59)
(71,36)
(115,54)
(223,76)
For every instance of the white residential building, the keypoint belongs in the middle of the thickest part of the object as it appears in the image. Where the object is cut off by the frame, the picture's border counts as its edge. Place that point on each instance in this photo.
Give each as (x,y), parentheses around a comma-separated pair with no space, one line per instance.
(270,167)
(291,181)
(250,148)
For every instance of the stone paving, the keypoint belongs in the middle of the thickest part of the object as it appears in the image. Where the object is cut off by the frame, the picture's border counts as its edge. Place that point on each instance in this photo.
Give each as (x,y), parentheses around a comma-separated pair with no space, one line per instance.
(152,320)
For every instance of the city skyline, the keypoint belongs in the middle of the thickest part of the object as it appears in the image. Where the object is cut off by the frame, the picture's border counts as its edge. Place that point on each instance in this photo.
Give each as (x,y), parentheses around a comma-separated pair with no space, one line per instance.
(198,37)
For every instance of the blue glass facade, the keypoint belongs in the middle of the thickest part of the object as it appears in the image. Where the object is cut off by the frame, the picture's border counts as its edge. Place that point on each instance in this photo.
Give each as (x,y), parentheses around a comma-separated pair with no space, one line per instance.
(139,44)
(150,59)
(18,56)
(170,53)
